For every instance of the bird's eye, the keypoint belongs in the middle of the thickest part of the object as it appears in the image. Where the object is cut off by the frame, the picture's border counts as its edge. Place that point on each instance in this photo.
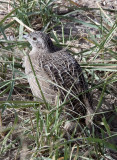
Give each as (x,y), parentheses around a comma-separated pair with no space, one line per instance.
(34,38)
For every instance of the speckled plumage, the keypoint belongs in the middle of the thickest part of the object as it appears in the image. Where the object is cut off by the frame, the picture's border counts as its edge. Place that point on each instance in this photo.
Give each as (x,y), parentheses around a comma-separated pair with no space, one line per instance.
(58,73)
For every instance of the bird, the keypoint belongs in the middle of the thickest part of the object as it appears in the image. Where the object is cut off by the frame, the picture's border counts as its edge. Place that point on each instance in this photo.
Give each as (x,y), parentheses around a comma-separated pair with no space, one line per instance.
(57,73)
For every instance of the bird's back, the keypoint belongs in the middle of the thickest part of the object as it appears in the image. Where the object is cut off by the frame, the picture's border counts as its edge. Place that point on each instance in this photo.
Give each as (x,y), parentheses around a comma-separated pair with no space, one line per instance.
(66,73)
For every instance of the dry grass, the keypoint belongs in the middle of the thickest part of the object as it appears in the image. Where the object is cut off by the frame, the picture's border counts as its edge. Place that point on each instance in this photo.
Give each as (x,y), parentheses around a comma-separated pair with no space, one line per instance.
(27,131)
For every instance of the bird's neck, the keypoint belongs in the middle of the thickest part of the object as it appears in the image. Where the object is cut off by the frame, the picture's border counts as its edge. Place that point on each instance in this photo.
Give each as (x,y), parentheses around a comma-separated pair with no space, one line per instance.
(37,51)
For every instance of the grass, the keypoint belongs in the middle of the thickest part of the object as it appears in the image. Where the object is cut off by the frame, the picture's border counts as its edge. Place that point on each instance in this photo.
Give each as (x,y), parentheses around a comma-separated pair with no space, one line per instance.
(29,132)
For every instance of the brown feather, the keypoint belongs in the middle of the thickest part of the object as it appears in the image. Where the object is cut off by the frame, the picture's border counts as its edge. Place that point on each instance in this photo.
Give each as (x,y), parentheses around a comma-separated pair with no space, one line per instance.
(57,71)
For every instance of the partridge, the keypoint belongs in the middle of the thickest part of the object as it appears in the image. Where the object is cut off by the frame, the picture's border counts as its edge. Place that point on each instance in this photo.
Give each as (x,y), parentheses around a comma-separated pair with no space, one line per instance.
(58,74)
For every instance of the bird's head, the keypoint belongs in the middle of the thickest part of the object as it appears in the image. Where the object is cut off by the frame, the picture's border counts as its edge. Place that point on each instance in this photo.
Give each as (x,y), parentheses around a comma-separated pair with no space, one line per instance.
(40,41)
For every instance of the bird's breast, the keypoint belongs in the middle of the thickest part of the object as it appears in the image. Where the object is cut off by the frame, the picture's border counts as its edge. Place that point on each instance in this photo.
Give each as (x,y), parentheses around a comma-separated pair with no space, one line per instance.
(43,79)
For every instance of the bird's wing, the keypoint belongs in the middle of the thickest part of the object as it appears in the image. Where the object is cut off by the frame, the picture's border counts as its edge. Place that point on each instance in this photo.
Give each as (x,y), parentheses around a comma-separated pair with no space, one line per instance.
(65,73)
(67,77)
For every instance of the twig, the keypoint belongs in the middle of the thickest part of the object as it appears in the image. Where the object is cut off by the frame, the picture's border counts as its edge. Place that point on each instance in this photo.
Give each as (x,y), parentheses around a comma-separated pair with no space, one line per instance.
(20,22)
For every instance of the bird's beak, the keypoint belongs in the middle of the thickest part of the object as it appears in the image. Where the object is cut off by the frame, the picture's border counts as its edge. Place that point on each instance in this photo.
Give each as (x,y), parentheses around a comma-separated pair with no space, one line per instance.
(25,36)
